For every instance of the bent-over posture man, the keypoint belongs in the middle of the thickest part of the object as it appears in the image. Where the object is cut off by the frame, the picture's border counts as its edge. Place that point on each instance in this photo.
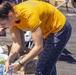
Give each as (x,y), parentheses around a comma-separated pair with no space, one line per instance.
(46,23)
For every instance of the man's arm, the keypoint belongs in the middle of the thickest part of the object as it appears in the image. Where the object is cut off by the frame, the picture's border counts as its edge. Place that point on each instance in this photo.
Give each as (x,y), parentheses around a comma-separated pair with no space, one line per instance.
(16,38)
(38,46)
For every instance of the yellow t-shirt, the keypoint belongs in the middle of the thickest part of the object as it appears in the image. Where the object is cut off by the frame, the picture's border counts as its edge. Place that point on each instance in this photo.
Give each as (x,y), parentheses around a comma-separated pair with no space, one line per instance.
(34,0)
(37,13)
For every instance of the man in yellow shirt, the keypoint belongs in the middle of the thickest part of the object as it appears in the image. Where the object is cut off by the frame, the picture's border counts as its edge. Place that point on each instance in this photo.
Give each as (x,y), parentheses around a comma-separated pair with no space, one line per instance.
(50,33)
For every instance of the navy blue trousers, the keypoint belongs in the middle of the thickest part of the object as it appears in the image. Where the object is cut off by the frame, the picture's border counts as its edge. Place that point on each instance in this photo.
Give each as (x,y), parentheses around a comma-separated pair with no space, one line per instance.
(54,45)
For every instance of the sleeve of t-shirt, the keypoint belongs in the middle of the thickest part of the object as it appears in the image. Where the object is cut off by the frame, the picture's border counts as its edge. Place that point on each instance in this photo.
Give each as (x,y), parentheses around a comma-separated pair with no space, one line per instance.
(33,21)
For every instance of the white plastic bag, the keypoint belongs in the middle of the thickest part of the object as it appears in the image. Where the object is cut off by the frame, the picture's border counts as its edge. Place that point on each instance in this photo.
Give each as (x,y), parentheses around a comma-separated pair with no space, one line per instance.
(27,36)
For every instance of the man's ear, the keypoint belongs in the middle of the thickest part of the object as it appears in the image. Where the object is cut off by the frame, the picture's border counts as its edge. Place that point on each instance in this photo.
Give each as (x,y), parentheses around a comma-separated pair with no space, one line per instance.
(10,14)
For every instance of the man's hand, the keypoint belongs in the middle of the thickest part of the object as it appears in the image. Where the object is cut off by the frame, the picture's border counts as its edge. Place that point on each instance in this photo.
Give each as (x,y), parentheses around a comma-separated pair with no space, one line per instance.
(6,67)
(2,31)
(16,67)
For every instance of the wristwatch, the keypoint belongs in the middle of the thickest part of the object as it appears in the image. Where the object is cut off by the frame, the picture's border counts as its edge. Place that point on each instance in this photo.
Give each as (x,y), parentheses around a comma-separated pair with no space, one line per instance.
(21,64)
